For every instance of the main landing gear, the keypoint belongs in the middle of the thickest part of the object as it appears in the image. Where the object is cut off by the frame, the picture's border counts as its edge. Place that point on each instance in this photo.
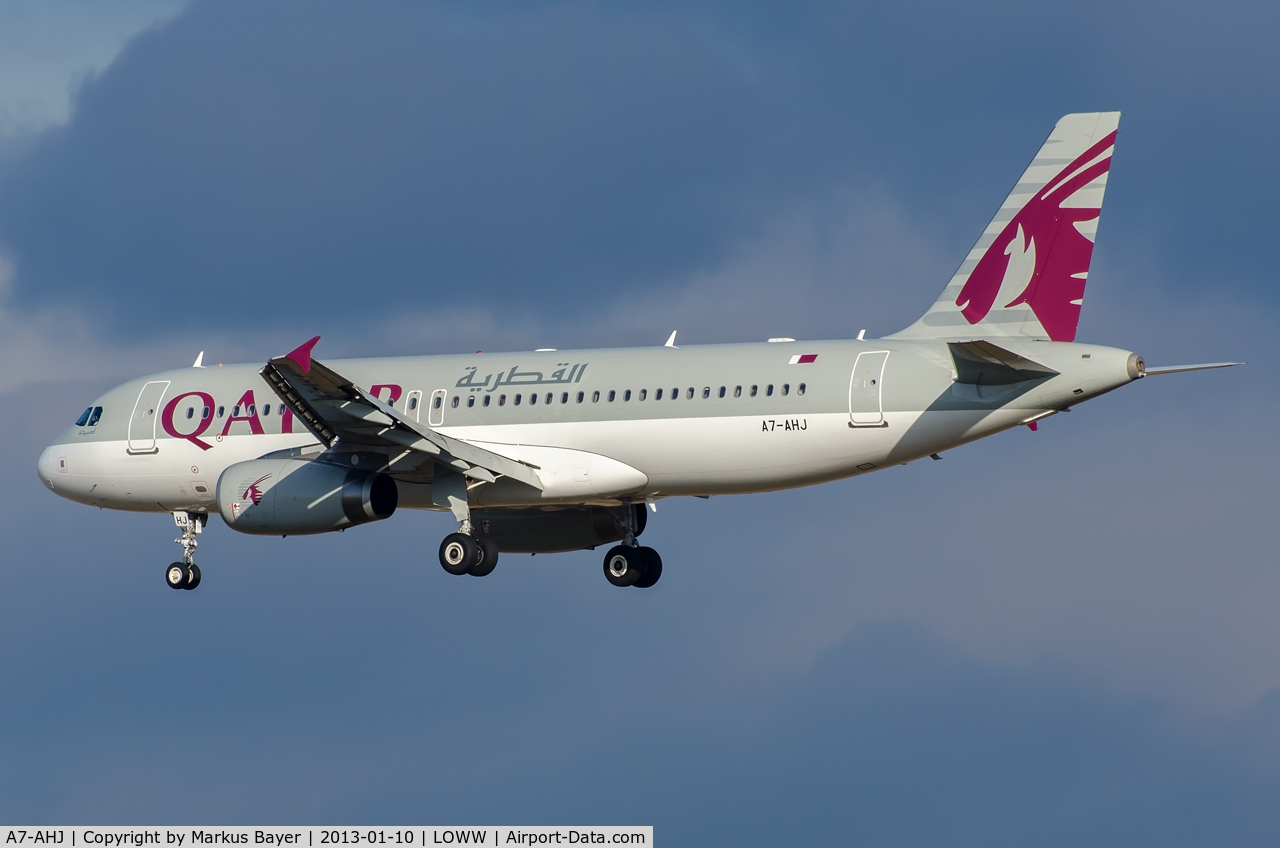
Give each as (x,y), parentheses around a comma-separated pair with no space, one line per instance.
(186,574)
(630,565)
(464,553)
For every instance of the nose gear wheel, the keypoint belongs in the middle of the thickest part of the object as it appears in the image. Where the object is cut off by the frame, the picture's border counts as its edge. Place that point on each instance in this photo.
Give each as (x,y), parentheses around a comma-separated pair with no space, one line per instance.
(186,574)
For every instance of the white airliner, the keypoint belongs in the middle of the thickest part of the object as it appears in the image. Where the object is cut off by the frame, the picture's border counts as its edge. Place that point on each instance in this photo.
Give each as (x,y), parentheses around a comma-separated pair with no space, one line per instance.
(562,450)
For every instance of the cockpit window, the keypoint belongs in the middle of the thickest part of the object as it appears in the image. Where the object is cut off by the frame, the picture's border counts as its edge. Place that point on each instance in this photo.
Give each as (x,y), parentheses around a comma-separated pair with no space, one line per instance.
(93,419)
(84,417)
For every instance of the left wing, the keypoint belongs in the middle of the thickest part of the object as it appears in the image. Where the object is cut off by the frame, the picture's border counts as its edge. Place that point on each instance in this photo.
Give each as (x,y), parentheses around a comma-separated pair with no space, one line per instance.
(336,410)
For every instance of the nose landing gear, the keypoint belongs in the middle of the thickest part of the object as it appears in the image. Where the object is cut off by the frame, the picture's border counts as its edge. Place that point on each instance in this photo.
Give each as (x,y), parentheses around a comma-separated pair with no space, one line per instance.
(186,574)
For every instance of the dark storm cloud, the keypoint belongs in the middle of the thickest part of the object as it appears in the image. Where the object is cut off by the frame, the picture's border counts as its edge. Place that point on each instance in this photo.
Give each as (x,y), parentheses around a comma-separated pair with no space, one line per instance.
(387,158)
(323,161)
(341,166)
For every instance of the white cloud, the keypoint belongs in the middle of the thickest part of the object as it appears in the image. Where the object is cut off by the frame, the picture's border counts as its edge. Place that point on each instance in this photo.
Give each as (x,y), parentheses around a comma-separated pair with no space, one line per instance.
(48,47)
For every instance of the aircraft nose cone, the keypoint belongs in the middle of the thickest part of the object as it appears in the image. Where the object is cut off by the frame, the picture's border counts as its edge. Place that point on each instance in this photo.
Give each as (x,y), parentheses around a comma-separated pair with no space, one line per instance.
(48,467)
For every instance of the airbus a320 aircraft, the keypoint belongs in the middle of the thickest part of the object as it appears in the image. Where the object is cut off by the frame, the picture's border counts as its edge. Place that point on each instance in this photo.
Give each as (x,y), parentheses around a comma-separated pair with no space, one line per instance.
(559,451)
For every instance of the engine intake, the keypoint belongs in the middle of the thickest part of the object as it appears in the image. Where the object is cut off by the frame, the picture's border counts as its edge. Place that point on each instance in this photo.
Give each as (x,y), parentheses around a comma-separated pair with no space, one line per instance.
(293,497)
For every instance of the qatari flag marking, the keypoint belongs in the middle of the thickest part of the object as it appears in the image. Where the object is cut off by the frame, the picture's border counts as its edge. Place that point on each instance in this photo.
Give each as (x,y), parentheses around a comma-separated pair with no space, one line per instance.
(803,359)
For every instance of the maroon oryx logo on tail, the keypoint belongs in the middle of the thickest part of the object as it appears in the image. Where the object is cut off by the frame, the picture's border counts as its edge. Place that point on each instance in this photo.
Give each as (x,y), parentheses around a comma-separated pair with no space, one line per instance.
(1041,257)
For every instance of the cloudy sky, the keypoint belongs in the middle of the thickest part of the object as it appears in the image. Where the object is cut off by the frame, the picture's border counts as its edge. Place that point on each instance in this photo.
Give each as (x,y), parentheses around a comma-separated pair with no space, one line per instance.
(1063,637)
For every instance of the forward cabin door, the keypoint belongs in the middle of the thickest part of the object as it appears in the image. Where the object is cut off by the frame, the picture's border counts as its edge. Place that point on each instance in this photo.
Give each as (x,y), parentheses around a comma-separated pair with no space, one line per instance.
(142,426)
(866,407)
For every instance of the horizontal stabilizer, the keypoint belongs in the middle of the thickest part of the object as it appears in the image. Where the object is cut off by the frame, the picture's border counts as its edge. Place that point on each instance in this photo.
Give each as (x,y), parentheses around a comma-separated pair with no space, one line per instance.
(1178,369)
(984,364)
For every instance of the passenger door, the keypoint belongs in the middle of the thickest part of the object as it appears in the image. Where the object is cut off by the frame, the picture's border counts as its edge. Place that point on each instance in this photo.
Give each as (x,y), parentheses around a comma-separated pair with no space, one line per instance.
(142,426)
(866,404)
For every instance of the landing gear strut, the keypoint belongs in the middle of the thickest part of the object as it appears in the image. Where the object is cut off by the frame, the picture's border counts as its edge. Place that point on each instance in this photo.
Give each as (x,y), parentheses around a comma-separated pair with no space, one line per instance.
(186,574)
(464,552)
(631,565)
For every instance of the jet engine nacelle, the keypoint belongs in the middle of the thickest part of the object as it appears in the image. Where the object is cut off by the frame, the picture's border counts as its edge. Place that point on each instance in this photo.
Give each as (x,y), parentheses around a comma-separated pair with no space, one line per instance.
(535,531)
(290,497)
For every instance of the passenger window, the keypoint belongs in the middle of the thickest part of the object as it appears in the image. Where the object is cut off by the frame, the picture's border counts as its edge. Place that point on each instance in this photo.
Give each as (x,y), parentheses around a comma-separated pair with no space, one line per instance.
(533,398)
(643,393)
(769,390)
(502,400)
(235,411)
(205,413)
(564,397)
(471,401)
(436,401)
(612,395)
(253,409)
(222,410)
(706,392)
(754,389)
(93,419)
(84,417)
(737,391)
(626,395)
(191,412)
(454,403)
(800,389)
(518,399)
(281,409)
(657,395)
(266,409)
(595,397)
(581,395)
(722,391)
(413,403)
(786,389)
(550,397)
(487,398)
(689,393)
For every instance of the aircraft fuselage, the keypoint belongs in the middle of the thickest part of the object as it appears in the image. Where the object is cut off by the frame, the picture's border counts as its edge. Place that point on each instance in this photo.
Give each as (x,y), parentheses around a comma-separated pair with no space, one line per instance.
(599,426)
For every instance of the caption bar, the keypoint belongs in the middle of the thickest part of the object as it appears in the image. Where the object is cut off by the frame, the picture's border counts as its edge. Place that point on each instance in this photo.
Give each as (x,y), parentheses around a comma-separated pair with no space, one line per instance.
(285,837)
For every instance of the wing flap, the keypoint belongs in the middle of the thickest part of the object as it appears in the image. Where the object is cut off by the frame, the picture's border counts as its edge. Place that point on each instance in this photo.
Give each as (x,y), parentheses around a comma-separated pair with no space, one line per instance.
(333,408)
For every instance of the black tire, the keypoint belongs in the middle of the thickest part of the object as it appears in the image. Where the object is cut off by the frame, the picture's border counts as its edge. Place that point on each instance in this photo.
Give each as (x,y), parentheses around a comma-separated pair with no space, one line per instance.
(458,553)
(652,568)
(175,574)
(193,576)
(488,557)
(623,565)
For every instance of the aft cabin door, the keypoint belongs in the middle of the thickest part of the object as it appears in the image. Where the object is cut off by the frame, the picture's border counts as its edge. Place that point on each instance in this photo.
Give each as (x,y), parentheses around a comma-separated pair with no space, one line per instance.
(142,426)
(866,407)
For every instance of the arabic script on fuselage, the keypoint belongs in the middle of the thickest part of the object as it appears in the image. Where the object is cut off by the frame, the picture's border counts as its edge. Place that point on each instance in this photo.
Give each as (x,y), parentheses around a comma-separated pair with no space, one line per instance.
(563,375)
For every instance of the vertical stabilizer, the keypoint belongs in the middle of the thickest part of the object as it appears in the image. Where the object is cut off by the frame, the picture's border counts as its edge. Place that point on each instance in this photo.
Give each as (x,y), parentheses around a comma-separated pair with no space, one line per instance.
(1026,275)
